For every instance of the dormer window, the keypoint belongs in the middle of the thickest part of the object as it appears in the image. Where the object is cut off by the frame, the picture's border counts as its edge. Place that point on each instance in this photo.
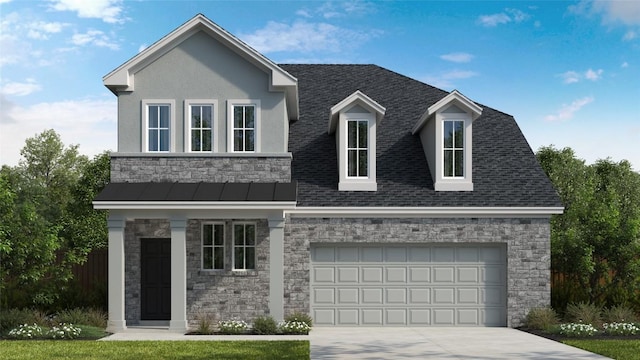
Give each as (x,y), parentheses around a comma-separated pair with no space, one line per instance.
(445,131)
(354,121)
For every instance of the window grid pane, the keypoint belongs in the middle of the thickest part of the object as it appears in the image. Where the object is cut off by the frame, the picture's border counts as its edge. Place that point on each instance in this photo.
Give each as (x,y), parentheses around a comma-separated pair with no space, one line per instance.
(357,148)
(244,127)
(158,128)
(212,246)
(244,248)
(201,127)
(453,148)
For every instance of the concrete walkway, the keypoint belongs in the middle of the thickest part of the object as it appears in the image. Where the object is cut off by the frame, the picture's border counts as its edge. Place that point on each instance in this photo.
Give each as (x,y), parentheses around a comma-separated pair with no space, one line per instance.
(438,343)
(398,343)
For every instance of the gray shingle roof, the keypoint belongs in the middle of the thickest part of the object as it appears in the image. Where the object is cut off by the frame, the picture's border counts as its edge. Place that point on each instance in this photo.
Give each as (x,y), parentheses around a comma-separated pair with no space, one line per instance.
(505,170)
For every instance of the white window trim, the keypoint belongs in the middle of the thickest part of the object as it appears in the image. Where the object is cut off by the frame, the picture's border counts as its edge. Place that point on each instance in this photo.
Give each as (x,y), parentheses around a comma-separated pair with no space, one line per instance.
(214,124)
(145,123)
(360,183)
(455,183)
(224,245)
(233,245)
(230,104)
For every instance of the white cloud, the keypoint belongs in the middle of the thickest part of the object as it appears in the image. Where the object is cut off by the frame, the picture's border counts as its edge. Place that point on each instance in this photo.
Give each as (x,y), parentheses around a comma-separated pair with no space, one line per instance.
(624,65)
(40,30)
(331,9)
(457,57)
(304,37)
(571,77)
(91,123)
(630,35)
(142,47)
(20,88)
(507,16)
(94,37)
(567,111)
(625,12)
(109,11)
(446,80)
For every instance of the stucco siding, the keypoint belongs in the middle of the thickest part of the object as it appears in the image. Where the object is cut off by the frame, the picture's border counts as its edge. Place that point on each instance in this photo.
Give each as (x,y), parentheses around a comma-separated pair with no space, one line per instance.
(201,68)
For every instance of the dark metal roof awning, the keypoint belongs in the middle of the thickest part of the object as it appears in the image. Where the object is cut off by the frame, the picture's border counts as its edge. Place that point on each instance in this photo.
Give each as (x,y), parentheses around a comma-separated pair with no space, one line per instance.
(198,192)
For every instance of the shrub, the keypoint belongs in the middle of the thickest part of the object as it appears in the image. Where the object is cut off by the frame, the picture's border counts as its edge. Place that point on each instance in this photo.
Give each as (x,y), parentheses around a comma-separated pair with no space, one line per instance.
(586,313)
(294,328)
(205,320)
(11,318)
(541,318)
(619,314)
(577,329)
(25,331)
(232,327)
(64,331)
(299,317)
(621,329)
(265,325)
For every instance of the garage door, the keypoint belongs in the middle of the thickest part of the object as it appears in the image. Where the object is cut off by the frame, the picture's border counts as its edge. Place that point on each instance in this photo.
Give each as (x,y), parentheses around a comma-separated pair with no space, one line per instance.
(409,285)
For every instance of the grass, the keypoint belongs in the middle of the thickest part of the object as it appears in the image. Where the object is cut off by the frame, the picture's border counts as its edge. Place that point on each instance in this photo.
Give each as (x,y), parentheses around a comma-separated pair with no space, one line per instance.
(615,349)
(136,350)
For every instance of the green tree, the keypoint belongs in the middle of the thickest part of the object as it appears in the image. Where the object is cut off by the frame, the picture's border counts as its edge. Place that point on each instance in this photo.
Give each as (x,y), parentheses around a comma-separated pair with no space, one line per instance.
(595,243)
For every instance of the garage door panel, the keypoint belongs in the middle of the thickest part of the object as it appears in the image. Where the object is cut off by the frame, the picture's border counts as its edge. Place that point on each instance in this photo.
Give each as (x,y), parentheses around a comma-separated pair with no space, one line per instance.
(396,295)
(372,316)
(372,296)
(323,274)
(348,275)
(347,296)
(372,274)
(396,274)
(444,274)
(348,317)
(396,316)
(419,274)
(324,295)
(408,285)
(419,296)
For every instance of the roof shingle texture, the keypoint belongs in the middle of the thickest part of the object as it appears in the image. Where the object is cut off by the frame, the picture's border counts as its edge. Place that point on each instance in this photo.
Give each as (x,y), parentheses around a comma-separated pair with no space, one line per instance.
(505,170)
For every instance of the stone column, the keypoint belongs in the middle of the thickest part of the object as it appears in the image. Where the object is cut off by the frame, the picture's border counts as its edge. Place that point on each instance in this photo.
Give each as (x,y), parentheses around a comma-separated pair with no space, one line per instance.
(178,321)
(276,268)
(117,322)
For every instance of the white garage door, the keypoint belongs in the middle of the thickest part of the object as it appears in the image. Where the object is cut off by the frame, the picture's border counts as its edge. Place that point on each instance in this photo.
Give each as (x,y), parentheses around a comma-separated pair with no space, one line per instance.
(408,285)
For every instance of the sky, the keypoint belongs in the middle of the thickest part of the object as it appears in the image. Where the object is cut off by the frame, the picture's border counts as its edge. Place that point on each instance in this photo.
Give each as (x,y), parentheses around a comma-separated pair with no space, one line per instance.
(568,71)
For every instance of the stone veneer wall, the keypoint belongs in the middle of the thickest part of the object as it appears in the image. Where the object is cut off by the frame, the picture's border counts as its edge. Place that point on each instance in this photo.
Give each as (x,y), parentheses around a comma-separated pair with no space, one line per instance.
(133,233)
(196,169)
(527,240)
(227,294)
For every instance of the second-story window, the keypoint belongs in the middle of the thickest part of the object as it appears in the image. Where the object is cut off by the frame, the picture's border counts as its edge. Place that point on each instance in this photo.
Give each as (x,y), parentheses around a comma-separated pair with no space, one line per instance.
(453,148)
(244,128)
(201,117)
(158,127)
(357,148)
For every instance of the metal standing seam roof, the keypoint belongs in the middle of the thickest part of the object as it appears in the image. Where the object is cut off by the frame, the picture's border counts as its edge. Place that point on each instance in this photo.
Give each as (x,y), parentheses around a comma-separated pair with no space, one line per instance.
(506,172)
(200,191)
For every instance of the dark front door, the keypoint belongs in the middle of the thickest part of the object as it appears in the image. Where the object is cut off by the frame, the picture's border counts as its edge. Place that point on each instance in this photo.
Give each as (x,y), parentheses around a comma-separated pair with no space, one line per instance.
(155,263)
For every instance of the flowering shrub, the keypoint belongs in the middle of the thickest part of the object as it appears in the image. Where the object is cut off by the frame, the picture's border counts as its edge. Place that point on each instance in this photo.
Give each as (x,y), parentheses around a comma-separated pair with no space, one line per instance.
(64,331)
(294,327)
(232,327)
(25,331)
(577,329)
(621,329)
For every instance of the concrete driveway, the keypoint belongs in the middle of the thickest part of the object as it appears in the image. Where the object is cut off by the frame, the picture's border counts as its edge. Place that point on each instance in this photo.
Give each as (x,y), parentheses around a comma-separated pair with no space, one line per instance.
(437,343)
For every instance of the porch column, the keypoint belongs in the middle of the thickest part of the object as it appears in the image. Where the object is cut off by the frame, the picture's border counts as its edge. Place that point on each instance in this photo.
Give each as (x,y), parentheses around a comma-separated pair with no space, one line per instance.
(178,321)
(115,285)
(276,268)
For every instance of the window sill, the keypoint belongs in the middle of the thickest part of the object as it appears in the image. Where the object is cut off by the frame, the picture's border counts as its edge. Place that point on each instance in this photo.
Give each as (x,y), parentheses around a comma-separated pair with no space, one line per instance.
(357,186)
(225,272)
(452,185)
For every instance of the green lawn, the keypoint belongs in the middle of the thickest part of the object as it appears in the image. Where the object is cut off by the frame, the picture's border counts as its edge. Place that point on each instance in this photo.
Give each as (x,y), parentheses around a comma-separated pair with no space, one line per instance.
(615,349)
(139,350)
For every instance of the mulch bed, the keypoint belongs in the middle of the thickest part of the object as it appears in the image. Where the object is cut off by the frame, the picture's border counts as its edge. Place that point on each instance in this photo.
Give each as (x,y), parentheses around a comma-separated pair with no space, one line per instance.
(558,337)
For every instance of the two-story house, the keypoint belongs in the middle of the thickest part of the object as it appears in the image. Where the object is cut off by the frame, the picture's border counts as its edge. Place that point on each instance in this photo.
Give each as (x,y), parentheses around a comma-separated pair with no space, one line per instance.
(241,187)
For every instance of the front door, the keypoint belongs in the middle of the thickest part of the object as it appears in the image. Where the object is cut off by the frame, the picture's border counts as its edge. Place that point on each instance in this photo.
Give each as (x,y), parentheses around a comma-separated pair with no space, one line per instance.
(155,282)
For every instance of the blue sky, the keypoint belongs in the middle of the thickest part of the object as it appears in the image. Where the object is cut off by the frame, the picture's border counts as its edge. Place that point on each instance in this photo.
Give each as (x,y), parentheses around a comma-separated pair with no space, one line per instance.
(568,71)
